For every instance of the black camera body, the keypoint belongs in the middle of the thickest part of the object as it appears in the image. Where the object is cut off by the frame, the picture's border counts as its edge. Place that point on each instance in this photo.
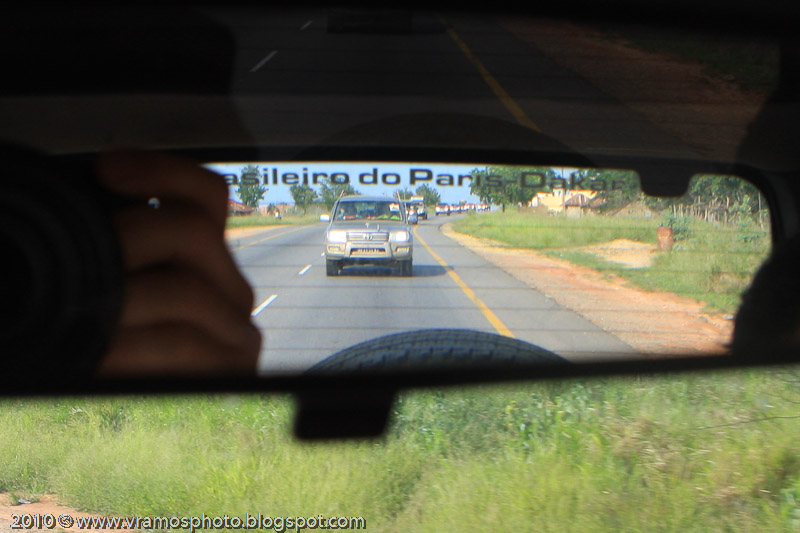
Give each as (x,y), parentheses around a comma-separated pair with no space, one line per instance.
(61,265)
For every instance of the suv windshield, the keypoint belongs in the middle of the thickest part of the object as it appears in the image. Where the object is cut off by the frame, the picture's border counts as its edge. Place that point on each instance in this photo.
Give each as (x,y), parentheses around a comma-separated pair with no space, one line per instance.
(368,210)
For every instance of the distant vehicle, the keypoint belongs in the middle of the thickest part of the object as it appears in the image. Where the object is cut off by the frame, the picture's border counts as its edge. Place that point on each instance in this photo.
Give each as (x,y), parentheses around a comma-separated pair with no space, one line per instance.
(442,209)
(417,204)
(411,213)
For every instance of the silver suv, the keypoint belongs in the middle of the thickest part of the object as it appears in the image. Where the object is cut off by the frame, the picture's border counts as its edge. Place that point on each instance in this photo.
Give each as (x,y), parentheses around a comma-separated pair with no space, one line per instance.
(368,230)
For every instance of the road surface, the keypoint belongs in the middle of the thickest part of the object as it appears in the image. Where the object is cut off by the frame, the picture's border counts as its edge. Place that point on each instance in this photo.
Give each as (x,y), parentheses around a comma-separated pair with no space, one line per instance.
(306,316)
(295,82)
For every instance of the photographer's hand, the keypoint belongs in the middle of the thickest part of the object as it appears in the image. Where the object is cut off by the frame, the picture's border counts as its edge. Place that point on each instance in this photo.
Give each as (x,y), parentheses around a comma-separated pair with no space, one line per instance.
(186,307)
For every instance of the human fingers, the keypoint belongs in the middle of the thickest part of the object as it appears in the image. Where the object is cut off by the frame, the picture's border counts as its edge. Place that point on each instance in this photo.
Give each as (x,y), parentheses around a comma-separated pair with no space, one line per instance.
(173,294)
(181,236)
(170,178)
(174,349)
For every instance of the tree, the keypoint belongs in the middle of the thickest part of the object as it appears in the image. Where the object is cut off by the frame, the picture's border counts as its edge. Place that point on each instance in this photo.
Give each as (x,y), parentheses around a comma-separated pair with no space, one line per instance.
(430,195)
(405,193)
(620,187)
(303,196)
(328,194)
(716,198)
(726,199)
(250,190)
(503,185)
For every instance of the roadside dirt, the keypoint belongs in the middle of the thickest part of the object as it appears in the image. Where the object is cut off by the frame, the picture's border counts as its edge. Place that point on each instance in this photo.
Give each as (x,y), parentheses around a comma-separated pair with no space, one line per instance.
(46,505)
(631,254)
(656,323)
(709,114)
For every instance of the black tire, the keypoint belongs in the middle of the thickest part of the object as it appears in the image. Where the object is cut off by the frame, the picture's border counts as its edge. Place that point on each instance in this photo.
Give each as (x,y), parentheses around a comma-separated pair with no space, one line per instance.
(332,267)
(436,348)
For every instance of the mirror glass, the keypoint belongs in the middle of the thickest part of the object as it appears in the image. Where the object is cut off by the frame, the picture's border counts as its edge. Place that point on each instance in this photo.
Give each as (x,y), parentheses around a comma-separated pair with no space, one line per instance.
(559,264)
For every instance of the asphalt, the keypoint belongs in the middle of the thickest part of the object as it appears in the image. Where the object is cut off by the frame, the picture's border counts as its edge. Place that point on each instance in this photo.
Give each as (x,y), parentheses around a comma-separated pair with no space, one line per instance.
(296,82)
(305,316)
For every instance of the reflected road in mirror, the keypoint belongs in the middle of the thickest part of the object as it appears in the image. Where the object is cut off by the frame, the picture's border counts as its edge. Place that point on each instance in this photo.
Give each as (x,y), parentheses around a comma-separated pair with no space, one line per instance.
(578,268)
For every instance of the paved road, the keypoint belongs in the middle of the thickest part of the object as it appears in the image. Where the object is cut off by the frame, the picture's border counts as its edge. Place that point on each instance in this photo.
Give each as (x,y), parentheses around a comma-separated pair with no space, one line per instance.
(291,82)
(297,82)
(306,316)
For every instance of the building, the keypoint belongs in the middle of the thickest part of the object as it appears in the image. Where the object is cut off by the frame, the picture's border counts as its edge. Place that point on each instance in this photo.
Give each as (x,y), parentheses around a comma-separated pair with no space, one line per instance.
(577,205)
(238,208)
(558,201)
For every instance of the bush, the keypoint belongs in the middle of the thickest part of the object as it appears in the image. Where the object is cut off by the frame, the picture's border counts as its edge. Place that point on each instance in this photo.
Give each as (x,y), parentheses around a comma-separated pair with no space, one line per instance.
(679,225)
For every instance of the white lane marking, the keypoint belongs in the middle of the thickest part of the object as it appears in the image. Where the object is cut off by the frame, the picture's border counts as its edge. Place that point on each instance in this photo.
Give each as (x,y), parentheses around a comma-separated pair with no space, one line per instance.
(304,270)
(263,305)
(264,61)
(306,25)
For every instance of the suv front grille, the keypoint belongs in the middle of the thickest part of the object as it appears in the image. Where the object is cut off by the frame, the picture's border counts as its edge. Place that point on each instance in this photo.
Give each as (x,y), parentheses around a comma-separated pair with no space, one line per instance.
(374,236)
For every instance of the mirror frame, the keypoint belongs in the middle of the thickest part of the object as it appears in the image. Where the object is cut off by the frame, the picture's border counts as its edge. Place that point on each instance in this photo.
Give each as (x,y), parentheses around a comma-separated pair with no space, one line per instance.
(769,185)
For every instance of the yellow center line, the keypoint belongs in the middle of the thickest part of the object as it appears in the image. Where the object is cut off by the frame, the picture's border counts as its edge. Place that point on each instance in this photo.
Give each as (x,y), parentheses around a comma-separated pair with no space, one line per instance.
(512,106)
(496,323)
(298,228)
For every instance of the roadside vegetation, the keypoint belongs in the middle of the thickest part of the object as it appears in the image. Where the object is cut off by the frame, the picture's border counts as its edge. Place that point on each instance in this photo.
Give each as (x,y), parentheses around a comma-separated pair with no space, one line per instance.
(709,263)
(681,453)
(247,221)
(720,235)
(525,229)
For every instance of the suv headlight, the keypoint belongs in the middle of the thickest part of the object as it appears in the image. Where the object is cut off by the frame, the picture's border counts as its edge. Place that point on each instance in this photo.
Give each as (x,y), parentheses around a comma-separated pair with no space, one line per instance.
(400,236)
(337,235)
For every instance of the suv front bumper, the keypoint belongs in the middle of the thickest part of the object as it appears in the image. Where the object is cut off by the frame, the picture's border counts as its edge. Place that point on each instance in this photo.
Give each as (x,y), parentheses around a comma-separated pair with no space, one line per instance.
(368,252)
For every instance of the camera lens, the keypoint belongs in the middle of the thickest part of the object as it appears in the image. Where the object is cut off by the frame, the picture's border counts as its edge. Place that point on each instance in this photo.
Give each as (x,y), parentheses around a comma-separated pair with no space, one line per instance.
(61,268)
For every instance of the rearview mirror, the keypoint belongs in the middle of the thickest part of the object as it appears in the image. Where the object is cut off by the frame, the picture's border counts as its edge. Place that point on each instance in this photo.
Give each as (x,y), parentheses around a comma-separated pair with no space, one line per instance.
(568,264)
(543,266)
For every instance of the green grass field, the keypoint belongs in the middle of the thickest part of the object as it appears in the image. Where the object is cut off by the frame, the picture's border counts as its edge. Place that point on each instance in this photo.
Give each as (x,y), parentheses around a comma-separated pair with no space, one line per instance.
(713,264)
(697,452)
(248,221)
(530,230)
(680,453)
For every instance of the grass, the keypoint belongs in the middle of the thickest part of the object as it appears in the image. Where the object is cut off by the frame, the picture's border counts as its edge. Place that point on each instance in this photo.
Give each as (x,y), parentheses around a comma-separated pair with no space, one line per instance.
(679,453)
(714,264)
(248,221)
(527,230)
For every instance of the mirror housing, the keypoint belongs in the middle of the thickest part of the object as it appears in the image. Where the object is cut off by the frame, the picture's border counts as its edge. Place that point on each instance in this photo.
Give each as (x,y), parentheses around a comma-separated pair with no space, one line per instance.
(325,218)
